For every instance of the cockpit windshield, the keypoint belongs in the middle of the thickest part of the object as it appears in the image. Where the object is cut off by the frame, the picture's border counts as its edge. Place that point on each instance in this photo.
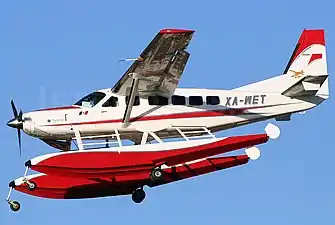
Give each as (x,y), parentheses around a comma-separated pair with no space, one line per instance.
(91,100)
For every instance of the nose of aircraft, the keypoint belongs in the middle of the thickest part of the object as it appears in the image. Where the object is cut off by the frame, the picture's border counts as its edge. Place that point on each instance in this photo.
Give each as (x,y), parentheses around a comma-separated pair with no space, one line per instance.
(15,123)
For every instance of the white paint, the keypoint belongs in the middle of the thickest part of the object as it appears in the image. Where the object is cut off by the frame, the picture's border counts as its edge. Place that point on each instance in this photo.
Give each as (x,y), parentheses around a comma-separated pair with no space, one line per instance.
(272,131)
(21,180)
(253,153)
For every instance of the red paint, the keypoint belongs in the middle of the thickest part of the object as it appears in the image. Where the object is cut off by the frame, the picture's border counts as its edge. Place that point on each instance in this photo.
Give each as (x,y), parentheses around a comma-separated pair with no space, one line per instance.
(75,188)
(175,31)
(315,57)
(308,38)
(215,113)
(93,164)
(59,108)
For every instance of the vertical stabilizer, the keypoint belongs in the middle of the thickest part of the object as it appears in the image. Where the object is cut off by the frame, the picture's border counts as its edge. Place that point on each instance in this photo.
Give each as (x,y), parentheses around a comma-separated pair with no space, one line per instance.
(306,72)
(309,55)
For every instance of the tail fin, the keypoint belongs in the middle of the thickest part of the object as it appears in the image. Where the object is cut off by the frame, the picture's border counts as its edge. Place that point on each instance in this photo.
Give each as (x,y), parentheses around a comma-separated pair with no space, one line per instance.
(306,72)
(309,55)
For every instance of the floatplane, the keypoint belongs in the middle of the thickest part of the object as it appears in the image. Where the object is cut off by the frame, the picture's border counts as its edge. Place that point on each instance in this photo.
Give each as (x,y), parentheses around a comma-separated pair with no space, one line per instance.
(146,107)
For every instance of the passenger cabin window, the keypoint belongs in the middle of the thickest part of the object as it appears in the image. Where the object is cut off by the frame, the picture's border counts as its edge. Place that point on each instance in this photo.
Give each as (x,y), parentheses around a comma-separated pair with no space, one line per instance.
(91,100)
(195,100)
(178,100)
(212,100)
(136,102)
(158,100)
(111,102)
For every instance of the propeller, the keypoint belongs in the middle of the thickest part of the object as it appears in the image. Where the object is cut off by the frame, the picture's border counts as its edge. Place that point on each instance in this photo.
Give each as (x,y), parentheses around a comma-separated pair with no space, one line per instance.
(16,122)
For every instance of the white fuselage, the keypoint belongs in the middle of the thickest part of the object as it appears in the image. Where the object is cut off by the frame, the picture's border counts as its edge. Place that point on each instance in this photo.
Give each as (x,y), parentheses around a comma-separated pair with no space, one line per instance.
(234,109)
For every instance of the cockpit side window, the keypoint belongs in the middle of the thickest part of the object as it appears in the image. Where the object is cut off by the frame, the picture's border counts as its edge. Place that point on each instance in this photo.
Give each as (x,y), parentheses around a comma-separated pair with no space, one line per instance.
(91,100)
(111,102)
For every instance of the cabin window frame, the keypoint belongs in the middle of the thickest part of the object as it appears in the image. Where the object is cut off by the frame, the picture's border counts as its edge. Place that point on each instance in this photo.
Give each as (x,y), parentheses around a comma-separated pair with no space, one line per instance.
(160,98)
(195,97)
(180,97)
(208,102)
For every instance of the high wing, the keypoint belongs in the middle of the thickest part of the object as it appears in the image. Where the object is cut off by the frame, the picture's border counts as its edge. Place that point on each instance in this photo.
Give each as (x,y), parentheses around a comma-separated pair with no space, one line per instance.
(160,65)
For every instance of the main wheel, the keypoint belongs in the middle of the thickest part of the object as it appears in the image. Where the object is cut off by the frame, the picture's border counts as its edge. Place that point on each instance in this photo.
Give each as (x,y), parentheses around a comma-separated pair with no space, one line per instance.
(138,195)
(31,185)
(157,175)
(14,206)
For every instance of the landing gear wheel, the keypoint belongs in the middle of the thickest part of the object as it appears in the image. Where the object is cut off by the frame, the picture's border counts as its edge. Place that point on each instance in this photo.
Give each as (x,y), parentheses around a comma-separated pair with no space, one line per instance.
(14,205)
(157,175)
(138,195)
(31,185)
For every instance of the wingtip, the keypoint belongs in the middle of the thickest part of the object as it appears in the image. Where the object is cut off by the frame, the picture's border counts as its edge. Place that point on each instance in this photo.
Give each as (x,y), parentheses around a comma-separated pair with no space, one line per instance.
(174,31)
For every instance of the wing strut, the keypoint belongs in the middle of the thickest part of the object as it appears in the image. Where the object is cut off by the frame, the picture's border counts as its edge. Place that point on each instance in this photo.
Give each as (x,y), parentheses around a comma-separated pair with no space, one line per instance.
(131,101)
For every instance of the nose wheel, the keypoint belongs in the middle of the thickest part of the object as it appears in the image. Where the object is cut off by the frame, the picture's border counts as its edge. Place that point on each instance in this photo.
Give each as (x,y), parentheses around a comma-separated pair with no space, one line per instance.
(31,185)
(14,205)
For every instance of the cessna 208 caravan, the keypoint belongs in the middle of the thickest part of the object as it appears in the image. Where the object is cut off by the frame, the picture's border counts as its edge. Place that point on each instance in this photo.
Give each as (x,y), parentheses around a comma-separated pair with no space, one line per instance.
(146,98)
(146,101)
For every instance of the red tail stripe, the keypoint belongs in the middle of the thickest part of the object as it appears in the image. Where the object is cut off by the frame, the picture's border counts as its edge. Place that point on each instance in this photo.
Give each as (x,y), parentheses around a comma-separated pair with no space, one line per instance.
(308,38)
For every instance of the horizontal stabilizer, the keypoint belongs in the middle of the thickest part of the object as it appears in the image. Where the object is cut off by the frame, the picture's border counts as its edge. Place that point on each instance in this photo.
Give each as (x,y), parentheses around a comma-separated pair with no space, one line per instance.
(307,86)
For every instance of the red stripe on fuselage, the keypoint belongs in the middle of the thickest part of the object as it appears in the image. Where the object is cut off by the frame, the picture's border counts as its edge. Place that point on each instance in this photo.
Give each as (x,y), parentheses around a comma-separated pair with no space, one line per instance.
(214,113)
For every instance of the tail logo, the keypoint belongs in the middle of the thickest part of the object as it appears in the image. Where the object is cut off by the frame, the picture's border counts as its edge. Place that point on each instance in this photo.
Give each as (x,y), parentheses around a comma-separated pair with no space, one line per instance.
(297,74)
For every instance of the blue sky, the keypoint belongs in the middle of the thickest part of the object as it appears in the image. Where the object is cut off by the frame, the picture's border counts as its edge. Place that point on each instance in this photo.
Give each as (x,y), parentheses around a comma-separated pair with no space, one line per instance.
(53,52)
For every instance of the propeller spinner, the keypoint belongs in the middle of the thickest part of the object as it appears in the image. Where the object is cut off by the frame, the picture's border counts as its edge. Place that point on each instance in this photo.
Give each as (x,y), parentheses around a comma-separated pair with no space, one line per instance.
(16,122)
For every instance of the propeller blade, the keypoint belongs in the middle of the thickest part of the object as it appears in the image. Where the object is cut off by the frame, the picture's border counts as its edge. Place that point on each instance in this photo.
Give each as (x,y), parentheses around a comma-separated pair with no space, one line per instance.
(13,108)
(19,118)
(19,138)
